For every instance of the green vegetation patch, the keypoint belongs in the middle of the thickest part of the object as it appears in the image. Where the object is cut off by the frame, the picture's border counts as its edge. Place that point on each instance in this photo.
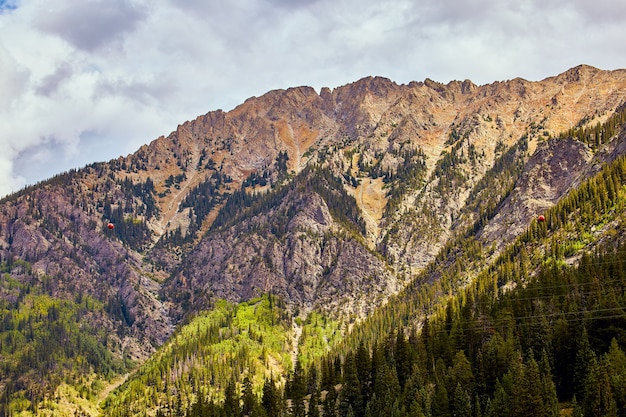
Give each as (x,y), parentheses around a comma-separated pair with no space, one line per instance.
(45,341)
(214,348)
(319,333)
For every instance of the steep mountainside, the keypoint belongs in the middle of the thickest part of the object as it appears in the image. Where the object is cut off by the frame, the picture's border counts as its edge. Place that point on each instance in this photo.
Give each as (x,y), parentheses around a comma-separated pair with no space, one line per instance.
(302,243)
(332,202)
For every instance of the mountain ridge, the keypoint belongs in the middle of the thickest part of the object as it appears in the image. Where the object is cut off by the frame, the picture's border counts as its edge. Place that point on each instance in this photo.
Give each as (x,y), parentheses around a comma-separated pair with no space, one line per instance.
(333,202)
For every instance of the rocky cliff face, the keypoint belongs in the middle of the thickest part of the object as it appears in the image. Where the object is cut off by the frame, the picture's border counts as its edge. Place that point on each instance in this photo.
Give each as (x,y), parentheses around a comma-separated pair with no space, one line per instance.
(49,241)
(555,168)
(420,163)
(295,249)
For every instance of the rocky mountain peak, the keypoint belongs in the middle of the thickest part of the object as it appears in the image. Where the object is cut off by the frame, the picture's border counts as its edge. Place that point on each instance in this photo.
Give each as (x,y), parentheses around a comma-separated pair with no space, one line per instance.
(579,73)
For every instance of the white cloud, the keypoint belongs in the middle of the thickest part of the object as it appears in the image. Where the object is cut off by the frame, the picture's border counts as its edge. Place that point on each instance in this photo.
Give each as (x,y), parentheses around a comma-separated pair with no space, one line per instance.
(90,24)
(13,79)
(91,80)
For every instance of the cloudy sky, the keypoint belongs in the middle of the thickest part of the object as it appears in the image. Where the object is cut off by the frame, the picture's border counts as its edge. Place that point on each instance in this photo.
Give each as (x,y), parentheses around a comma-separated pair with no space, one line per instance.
(89,80)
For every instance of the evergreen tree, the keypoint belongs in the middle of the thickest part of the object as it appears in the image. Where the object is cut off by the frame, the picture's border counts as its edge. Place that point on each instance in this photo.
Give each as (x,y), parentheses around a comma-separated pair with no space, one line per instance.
(373,407)
(312,379)
(441,403)
(271,398)
(531,394)
(500,405)
(314,403)
(616,367)
(351,397)
(415,409)
(258,411)
(461,373)
(584,358)
(198,409)
(364,368)
(577,410)
(297,391)
(403,359)
(516,387)
(329,379)
(414,389)
(231,400)
(329,403)
(386,388)
(477,407)
(548,389)
(599,399)
(249,400)
(461,403)
(564,357)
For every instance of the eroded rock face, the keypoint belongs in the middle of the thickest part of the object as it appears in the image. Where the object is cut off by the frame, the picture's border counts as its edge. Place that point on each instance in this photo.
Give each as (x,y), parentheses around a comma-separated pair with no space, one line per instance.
(68,256)
(312,263)
(558,166)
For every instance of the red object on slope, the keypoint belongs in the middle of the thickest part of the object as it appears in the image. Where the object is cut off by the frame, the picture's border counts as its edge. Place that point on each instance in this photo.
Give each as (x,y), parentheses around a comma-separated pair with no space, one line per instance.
(110,226)
(541,218)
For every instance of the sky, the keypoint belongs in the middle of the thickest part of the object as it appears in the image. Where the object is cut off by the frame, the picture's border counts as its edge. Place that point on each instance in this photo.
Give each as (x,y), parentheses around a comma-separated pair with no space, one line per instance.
(83,81)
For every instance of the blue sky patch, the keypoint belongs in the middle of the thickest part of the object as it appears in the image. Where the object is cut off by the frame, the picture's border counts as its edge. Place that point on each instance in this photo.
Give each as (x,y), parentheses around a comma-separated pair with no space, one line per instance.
(7,5)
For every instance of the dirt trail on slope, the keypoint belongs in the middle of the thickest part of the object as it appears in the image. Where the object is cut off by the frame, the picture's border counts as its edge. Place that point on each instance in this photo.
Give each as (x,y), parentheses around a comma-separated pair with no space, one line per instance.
(111,387)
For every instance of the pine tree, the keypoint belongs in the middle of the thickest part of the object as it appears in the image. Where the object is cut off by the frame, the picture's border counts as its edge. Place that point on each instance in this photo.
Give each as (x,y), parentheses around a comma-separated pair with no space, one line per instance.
(461,403)
(197,408)
(577,410)
(500,405)
(364,369)
(531,394)
(599,401)
(312,379)
(441,404)
(427,341)
(249,399)
(477,407)
(373,407)
(328,374)
(548,389)
(414,388)
(616,366)
(231,400)
(328,406)
(402,357)
(584,358)
(564,357)
(314,403)
(257,411)
(271,398)
(514,384)
(415,409)
(298,391)
(351,397)
(461,373)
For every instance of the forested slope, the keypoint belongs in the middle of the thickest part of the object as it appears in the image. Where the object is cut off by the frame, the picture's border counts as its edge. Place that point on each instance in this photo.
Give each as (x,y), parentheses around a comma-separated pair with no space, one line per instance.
(553,341)
(533,335)
(535,328)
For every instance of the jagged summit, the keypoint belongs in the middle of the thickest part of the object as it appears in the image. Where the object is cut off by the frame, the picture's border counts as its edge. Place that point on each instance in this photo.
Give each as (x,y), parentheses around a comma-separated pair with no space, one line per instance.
(365,132)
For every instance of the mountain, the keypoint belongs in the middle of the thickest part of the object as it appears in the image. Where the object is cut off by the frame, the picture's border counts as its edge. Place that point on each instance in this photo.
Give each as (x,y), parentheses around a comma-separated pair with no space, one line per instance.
(330,208)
